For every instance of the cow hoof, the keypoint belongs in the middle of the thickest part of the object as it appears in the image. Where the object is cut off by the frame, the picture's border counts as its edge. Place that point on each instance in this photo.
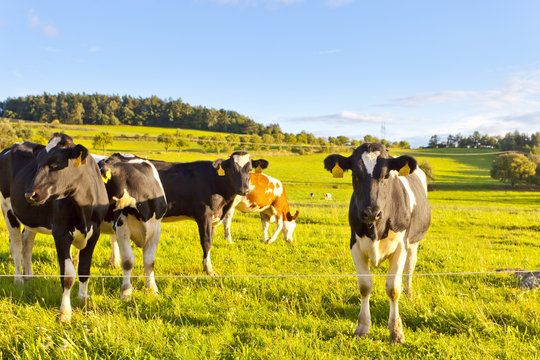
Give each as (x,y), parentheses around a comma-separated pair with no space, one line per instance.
(84,299)
(153,289)
(361,335)
(64,318)
(397,338)
(125,294)
(18,280)
(115,264)
(229,240)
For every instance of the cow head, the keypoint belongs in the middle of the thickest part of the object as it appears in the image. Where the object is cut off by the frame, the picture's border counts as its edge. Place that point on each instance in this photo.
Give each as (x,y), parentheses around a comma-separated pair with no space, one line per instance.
(236,170)
(107,164)
(58,169)
(289,224)
(372,173)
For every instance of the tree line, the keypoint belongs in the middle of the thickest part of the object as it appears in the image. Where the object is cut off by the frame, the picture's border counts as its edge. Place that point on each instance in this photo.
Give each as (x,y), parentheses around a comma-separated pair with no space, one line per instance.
(97,109)
(511,141)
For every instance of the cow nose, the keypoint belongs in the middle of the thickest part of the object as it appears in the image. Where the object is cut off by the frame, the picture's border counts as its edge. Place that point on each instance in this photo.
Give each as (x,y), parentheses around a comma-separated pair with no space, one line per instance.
(371,214)
(31,196)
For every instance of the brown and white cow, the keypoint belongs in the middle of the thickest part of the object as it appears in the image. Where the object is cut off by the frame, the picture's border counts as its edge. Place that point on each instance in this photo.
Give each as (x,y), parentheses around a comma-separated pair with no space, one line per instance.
(267,197)
(389,214)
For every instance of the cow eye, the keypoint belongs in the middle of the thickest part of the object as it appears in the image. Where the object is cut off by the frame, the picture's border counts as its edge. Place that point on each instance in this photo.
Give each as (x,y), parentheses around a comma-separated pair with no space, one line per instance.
(387,175)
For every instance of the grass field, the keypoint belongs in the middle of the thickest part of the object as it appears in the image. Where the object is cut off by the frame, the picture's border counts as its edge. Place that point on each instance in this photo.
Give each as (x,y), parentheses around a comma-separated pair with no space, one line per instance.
(475,227)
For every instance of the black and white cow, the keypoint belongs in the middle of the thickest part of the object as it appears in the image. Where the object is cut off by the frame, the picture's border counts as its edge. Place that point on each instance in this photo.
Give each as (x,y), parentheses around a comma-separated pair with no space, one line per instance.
(60,192)
(389,214)
(204,191)
(137,205)
(12,160)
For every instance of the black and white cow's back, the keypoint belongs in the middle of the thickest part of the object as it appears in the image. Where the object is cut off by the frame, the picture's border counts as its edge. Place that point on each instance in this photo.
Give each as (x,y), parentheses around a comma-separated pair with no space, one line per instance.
(389,214)
(137,205)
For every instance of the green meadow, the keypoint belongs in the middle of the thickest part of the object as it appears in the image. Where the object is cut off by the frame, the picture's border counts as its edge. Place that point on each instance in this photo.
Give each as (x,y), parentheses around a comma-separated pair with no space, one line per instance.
(456,311)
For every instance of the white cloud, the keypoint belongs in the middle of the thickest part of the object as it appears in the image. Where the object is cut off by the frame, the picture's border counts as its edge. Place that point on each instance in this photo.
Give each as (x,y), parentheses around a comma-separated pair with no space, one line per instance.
(94,49)
(17,74)
(35,22)
(51,49)
(345,118)
(519,90)
(2,23)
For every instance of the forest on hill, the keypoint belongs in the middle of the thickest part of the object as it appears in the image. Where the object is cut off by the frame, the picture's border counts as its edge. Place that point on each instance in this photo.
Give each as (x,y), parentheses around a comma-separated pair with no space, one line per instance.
(97,109)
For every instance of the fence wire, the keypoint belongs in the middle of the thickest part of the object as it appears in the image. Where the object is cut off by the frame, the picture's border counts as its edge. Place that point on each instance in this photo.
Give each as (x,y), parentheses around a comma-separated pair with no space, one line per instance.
(283,276)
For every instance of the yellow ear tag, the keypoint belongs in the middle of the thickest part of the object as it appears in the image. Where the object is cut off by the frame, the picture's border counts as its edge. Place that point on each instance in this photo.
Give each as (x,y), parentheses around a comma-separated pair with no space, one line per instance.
(258,169)
(78,160)
(337,172)
(220,171)
(107,176)
(405,171)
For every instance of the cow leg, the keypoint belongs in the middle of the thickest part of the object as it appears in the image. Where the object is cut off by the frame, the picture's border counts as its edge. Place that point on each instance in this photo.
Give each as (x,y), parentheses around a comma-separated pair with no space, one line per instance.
(115,253)
(15,241)
(85,262)
(365,285)
(279,226)
(27,246)
(62,241)
(149,255)
(410,263)
(227,220)
(393,291)
(126,253)
(206,233)
(265,221)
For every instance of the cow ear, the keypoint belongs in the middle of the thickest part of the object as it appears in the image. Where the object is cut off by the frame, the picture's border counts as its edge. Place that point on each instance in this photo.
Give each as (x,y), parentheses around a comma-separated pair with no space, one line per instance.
(404,164)
(336,164)
(37,149)
(79,153)
(290,217)
(220,164)
(259,165)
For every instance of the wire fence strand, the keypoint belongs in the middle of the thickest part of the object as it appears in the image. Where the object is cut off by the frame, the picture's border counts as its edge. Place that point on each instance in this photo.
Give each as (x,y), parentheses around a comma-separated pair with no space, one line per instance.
(280,276)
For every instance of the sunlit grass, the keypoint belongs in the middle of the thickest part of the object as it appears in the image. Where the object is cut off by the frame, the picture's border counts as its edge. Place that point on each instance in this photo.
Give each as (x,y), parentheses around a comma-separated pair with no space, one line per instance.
(475,227)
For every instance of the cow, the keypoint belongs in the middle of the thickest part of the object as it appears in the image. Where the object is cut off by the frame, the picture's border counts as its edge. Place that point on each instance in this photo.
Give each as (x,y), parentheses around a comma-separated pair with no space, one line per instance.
(13,159)
(327,196)
(57,189)
(267,197)
(312,195)
(389,214)
(204,191)
(137,205)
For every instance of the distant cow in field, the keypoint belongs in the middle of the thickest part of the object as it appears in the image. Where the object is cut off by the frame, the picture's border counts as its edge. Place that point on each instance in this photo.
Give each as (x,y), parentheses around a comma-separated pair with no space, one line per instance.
(137,205)
(327,196)
(312,195)
(55,190)
(389,214)
(267,197)
(204,191)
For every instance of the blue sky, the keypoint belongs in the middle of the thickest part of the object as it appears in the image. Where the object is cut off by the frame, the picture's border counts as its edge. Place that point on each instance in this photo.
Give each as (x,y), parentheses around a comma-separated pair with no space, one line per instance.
(331,67)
